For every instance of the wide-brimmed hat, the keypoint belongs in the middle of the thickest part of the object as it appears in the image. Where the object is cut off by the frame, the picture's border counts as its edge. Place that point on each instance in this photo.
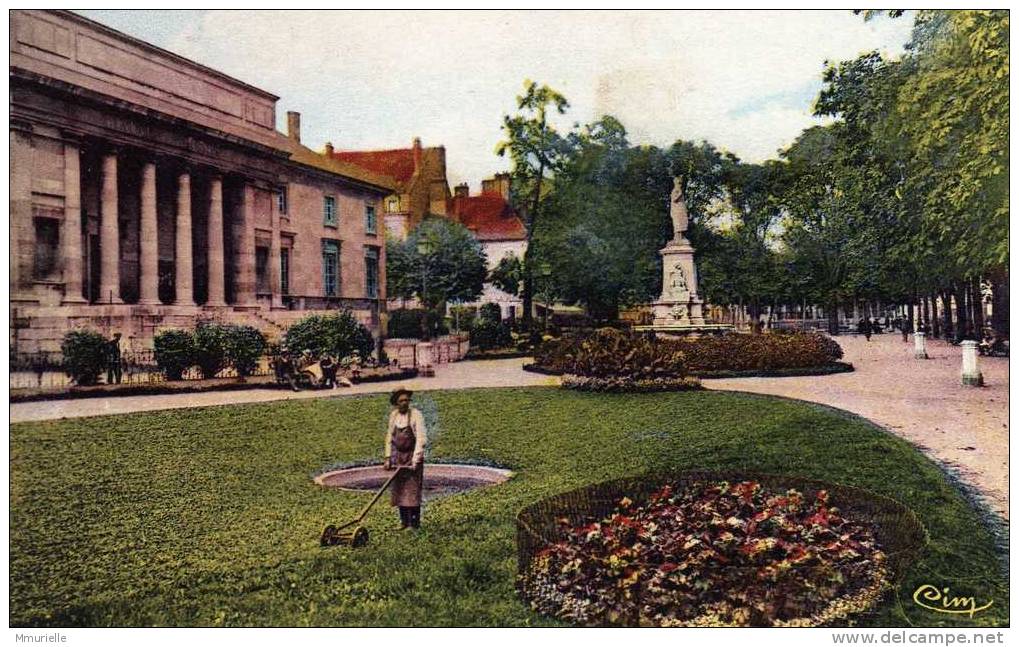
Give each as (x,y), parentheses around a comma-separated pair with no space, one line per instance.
(395,395)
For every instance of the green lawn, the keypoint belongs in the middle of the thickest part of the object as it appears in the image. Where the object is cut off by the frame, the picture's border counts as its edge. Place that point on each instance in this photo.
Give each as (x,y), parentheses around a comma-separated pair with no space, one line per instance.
(210,517)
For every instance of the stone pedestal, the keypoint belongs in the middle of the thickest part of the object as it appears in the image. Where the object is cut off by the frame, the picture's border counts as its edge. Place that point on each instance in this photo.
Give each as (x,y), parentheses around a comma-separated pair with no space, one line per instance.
(920,345)
(971,375)
(423,354)
(679,304)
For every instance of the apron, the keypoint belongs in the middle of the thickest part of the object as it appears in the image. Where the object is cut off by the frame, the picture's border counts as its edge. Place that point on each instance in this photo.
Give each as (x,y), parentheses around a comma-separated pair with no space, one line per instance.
(407,486)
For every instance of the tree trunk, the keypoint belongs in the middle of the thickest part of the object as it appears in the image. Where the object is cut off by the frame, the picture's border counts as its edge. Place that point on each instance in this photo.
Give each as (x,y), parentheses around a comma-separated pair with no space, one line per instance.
(833,317)
(999,304)
(962,319)
(946,314)
(935,321)
(909,314)
(926,316)
(978,309)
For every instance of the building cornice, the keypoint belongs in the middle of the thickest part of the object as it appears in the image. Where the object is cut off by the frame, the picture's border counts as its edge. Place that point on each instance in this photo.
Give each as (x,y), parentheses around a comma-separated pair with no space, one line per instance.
(176,58)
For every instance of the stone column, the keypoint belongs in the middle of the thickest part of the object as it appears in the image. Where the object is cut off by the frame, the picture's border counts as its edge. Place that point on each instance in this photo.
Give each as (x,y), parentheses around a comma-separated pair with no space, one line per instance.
(217,288)
(183,264)
(109,234)
(21,235)
(971,375)
(244,255)
(71,234)
(275,267)
(148,271)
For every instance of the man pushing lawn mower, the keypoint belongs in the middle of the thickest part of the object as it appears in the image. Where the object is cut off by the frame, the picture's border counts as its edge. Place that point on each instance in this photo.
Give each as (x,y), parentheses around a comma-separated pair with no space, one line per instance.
(406,436)
(405,452)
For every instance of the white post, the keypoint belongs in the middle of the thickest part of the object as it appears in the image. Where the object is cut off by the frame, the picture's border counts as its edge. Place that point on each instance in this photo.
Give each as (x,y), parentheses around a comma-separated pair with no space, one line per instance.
(424,359)
(971,375)
(919,345)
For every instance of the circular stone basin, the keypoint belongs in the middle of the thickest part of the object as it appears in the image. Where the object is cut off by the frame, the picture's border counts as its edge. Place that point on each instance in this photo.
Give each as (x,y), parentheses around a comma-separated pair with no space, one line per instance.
(440,479)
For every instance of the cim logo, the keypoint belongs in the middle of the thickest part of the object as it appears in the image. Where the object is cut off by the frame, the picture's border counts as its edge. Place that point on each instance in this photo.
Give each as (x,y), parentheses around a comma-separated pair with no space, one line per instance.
(930,597)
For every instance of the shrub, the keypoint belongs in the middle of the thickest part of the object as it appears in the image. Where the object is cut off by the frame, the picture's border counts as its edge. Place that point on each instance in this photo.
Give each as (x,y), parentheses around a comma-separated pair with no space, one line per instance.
(466,315)
(602,353)
(210,351)
(405,323)
(490,312)
(607,352)
(487,334)
(337,334)
(242,347)
(175,352)
(759,352)
(84,356)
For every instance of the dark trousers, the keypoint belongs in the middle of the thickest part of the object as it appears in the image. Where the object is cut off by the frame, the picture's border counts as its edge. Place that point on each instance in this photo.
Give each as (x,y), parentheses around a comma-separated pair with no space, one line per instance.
(113,372)
(410,516)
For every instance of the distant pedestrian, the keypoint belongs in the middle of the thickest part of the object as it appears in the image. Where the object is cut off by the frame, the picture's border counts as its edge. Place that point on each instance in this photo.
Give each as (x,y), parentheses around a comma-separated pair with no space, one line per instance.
(904,327)
(864,328)
(114,371)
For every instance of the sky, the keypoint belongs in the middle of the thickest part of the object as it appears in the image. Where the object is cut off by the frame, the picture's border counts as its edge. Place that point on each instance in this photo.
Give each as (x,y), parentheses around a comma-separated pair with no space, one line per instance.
(743,80)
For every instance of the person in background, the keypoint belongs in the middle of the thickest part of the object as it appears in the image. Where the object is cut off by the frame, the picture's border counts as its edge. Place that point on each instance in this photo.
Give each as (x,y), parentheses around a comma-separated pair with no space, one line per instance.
(406,436)
(864,328)
(114,370)
(329,368)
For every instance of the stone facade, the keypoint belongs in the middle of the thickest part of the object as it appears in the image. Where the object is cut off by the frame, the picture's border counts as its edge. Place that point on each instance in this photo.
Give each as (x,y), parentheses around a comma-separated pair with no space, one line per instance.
(148,191)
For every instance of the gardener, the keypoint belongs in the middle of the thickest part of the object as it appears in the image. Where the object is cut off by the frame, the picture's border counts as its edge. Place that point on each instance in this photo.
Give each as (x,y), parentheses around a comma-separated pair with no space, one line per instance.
(405,447)
(114,371)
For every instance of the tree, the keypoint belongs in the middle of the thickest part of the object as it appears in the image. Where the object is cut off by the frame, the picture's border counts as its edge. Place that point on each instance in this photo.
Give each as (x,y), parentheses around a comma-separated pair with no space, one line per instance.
(598,245)
(439,261)
(508,275)
(537,151)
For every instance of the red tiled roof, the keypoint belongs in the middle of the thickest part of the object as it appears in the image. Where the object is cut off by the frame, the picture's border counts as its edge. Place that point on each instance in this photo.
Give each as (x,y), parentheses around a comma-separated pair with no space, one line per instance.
(489,216)
(397,164)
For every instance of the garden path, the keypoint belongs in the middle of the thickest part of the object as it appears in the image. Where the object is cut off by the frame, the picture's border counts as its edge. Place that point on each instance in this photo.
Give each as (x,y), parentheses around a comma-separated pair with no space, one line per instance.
(964,428)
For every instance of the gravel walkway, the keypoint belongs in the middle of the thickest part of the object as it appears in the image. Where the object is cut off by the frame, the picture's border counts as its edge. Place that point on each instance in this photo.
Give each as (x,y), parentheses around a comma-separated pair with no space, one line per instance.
(964,428)
(923,401)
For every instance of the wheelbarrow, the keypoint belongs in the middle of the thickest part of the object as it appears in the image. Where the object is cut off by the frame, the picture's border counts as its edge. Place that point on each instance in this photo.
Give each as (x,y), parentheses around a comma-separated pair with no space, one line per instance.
(352,533)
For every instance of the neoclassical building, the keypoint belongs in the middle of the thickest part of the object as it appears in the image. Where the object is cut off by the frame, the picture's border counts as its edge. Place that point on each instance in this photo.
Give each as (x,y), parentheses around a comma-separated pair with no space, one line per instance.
(148,191)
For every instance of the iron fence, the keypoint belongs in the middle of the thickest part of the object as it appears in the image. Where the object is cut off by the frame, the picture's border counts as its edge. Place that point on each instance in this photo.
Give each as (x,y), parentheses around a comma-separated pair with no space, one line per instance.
(45,369)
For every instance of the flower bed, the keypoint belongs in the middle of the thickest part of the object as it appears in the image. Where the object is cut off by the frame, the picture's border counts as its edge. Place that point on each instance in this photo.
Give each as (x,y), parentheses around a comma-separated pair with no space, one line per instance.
(608,352)
(611,360)
(629,384)
(705,550)
(767,352)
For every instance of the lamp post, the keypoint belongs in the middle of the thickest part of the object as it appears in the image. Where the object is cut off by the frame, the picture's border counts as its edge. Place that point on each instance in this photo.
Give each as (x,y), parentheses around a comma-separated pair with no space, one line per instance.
(545,269)
(424,248)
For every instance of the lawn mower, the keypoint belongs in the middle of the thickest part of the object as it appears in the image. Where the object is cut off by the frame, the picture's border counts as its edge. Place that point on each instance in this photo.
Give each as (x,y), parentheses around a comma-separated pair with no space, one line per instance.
(352,533)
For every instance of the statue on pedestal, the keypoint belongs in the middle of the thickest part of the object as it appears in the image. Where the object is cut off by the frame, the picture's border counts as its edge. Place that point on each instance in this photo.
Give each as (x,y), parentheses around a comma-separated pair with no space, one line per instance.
(678,212)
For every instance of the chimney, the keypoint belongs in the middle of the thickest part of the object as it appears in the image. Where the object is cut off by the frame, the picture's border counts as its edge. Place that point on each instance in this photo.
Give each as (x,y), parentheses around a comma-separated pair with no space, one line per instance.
(502,183)
(461,190)
(329,149)
(417,153)
(294,125)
